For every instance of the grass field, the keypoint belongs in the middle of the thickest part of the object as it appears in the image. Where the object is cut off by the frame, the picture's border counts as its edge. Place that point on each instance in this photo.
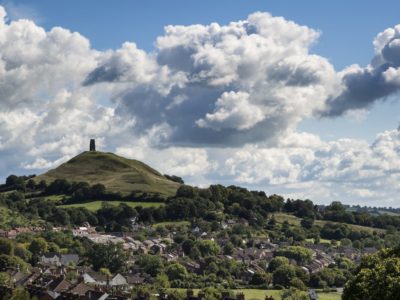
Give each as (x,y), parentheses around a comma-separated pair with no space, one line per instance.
(116,173)
(293,220)
(172,223)
(257,294)
(96,205)
(54,197)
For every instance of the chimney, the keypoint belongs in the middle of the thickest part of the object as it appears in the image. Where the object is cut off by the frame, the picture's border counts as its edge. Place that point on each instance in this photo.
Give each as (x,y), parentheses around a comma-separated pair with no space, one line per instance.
(92,146)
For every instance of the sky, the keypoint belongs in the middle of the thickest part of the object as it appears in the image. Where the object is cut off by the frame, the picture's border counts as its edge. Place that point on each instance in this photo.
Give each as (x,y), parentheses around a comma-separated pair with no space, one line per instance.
(289,97)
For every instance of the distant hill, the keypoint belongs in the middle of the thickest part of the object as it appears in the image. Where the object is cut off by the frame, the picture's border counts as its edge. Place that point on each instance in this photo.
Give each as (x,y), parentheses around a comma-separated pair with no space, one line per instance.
(118,174)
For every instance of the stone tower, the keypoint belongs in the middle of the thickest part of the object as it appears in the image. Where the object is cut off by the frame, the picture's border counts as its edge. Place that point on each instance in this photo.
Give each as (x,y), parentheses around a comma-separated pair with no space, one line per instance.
(92,146)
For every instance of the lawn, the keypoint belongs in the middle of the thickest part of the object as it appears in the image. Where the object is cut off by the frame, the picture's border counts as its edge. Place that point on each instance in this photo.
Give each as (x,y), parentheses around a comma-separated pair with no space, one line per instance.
(96,205)
(172,223)
(260,294)
(329,296)
(257,294)
(54,197)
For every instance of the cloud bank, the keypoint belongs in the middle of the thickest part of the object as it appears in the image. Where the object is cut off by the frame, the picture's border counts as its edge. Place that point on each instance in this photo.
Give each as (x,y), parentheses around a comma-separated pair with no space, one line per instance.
(212,103)
(245,82)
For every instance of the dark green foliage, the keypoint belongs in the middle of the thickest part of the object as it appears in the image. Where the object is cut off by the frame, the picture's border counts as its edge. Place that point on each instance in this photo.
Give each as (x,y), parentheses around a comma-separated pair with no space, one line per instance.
(174,178)
(110,256)
(38,246)
(151,264)
(6,246)
(377,277)
(300,254)
(283,275)
(261,278)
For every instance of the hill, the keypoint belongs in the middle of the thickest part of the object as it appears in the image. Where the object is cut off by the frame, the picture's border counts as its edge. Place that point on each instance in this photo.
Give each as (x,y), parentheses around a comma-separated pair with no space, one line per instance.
(118,174)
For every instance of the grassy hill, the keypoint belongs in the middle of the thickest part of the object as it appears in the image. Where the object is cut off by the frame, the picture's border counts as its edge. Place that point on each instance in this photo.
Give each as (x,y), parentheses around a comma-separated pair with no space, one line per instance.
(293,220)
(118,174)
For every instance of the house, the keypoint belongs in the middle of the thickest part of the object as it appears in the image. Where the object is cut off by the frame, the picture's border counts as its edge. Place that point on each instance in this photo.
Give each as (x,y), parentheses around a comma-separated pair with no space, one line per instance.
(193,267)
(94,278)
(134,280)
(55,259)
(69,259)
(170,256)
(20,278)
(148,243)
(79,291)
(50,258)
(118,280)
(57,286)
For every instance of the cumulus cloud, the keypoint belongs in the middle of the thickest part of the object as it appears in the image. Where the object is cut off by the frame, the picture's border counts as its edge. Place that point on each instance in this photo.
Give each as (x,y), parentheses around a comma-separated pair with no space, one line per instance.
(346,169)
(363,86)
(215,85)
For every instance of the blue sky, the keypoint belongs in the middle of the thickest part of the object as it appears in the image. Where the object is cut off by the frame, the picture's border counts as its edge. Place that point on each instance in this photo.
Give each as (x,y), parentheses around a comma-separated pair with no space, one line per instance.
(290,105)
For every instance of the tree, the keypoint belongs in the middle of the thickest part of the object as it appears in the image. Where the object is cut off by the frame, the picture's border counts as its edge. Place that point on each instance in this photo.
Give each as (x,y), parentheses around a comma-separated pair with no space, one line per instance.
(261,278)
(5,279)
(23,253)
(294,294)
(8,262)
(110,256)
(377,277)
(283,275)
(298,284)
(300,254)
(176,271)
(307,223)
(186,191)
(208,247)
(228,248)
(162,281)
(174,178)
(38,246)
(20,294)
(6,246)
(15,182)
(151,264)
(276,262)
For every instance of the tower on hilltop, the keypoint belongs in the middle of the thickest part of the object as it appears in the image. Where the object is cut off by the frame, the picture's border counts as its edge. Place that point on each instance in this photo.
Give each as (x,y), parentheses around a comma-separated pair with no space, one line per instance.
(92,146)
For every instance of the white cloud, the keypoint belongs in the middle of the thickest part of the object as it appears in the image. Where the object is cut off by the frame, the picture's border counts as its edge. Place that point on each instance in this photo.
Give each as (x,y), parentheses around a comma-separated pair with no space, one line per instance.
(229,85)
(233,110)
(349,169)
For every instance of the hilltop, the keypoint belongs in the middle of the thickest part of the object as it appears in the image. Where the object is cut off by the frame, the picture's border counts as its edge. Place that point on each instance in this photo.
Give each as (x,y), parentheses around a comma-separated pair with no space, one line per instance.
(116,173)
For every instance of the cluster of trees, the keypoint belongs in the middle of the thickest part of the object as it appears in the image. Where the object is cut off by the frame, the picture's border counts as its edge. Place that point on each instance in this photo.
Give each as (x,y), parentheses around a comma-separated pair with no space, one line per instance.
(14,182)
(377,277)
(27,248)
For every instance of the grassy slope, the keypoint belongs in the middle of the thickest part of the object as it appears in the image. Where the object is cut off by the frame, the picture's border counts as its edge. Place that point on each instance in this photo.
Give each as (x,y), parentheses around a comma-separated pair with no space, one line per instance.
(117,173)
(96,205)
(281,217)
